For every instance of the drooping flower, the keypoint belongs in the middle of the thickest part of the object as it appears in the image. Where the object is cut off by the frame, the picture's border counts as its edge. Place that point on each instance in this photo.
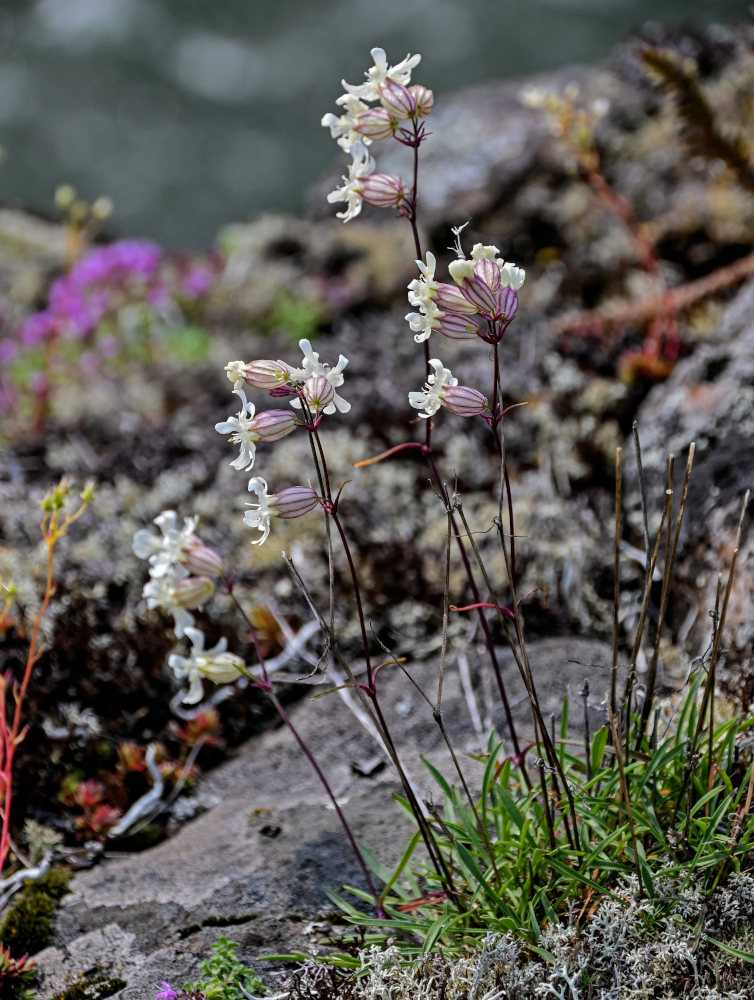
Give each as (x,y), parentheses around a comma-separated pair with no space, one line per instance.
(261,512)
(383,190)
(490,285)
(215,664)
(272,425)
(165,992)
(345,129)
(293,501)
(422,289)
(313,366)
(379,73)
(397,100)
(170,547)
(159,593)
(241,432)
(266,374)
(430,399)
(464,401)
(375,124)
(362,165)
(201,560)
(192,591)
(236,372)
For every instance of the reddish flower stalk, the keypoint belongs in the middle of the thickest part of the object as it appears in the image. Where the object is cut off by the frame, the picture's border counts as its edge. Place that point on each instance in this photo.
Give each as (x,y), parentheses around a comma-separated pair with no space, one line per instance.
(11,733)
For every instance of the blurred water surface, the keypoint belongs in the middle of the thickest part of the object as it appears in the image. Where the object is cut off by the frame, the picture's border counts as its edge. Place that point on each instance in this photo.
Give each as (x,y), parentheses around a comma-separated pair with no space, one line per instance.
(193,113)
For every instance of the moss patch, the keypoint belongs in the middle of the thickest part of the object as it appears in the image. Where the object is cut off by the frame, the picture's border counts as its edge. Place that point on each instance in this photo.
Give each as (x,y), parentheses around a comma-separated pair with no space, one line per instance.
(27,927)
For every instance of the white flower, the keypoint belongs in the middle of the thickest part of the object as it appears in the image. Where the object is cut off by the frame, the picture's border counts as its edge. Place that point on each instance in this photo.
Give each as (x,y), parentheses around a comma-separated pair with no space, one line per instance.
(235,370)
(313,366)
(241,432)
(362,165)
(343,129)
(481,252)
(166,550)
(377,74)
(259,515)
(461,270)
(421,290)
(430,400)
(423,323)
(511,276)
(159,594)
(215,664)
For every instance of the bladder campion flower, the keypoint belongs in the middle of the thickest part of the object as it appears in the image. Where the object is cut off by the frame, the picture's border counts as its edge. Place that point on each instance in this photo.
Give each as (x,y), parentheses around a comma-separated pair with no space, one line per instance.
(345,130)
(430,400)
(170,547)
(313,366)
(246,429)
(215,664)
(379,73)
(442,389)
(294,501)
(351,190)
(485,287)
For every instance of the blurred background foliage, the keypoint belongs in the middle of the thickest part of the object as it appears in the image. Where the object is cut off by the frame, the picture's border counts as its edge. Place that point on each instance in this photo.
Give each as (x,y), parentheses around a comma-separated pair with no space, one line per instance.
(192,113)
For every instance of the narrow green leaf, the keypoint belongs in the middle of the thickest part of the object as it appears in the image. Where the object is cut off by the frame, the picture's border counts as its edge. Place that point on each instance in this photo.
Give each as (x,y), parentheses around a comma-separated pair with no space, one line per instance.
(744,956)
(599,742)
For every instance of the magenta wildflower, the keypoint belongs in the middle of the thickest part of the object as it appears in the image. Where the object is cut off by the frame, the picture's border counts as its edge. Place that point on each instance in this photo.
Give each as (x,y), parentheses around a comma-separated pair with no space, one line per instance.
(166,992)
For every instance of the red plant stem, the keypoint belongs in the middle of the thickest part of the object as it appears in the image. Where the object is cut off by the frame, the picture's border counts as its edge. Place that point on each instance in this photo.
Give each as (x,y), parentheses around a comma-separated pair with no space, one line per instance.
(497,401)
(357,596)
(427,451)
(9,739)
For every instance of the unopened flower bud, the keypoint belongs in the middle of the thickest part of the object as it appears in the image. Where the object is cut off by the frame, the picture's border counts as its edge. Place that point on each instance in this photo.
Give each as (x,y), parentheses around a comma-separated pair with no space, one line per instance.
(425,99)
(508,304)
(201,560)
(489,272)
(376,124)
(382,190)
(461,270)
(272,425)
(397,99)
(266,374)
(318,392)
(294,501)
(192,592)
(464,401)
(220,668)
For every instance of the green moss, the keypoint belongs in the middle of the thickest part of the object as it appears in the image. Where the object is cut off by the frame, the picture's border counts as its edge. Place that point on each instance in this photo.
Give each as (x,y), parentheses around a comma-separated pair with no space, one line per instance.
(28,923)
(92,989)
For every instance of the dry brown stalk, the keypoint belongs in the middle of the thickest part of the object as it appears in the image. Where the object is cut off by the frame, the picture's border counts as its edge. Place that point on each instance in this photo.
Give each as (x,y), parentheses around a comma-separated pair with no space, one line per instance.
(675,299)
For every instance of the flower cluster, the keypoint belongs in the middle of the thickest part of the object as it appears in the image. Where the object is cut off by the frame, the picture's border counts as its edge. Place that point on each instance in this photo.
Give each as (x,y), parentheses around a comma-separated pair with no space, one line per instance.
(310,390)
(442,389)
(400,108)
(181,567)
(482,302)
(181,571)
